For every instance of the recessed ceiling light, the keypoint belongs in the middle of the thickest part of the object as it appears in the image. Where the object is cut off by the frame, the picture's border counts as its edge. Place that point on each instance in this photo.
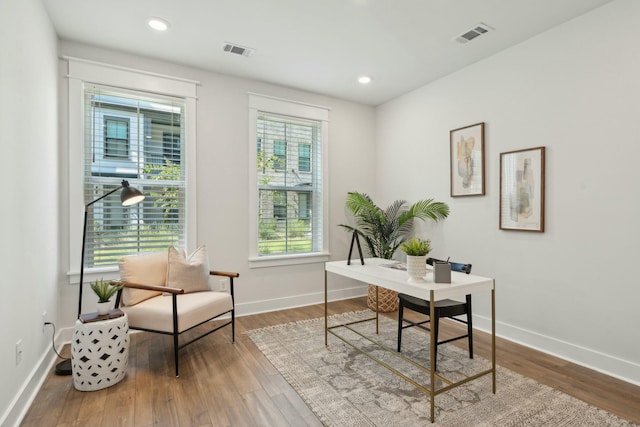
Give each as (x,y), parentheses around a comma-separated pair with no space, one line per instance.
(158,24)
(364,80)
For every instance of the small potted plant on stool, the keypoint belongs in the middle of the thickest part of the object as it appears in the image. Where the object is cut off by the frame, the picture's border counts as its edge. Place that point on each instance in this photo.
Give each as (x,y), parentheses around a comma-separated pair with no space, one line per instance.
(104,291)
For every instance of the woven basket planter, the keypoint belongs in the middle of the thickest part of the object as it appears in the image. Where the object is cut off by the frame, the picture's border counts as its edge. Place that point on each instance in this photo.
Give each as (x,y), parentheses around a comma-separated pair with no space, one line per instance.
(388,299)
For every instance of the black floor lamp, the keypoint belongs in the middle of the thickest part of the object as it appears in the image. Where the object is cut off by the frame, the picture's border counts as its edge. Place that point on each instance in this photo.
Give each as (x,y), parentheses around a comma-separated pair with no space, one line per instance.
(129,196)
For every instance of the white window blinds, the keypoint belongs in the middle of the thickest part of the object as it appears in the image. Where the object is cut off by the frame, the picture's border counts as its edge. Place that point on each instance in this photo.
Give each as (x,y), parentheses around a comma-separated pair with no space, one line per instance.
(139,138)
(289,181)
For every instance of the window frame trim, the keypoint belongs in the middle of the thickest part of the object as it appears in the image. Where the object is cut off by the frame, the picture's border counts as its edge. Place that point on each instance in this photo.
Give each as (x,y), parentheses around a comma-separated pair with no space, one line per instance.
(81,72)
(269,104)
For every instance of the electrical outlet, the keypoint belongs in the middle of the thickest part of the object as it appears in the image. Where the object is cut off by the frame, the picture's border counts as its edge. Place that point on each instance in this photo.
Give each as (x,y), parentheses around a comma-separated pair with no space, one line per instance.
(44,320)
(18,352)
(223,284)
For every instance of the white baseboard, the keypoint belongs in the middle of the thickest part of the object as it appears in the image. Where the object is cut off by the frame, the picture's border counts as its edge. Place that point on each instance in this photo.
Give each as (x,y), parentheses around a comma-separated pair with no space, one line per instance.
(613,366)
(22,401)
(265,306)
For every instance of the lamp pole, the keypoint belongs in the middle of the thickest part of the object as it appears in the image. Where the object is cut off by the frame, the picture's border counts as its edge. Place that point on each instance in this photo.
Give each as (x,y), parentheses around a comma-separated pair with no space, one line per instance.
(129,196)
(84,240)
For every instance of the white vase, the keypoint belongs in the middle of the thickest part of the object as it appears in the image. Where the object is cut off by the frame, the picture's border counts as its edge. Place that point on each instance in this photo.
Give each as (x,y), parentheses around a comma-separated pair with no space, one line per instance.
(103,307)
(417,268)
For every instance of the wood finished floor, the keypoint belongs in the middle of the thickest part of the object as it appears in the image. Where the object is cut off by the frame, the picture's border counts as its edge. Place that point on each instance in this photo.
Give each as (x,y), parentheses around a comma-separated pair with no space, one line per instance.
(225,384)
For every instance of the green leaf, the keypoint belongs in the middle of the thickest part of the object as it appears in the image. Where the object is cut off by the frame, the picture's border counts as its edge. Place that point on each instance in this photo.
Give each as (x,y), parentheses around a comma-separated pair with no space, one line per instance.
(105,290)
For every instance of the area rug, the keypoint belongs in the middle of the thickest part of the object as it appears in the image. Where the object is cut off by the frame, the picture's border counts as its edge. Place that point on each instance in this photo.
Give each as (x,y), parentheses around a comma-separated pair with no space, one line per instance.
(345,388)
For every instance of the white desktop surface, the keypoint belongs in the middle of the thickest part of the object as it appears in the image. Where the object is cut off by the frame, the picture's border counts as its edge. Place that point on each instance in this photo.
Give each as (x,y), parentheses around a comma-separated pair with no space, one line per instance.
(374,272)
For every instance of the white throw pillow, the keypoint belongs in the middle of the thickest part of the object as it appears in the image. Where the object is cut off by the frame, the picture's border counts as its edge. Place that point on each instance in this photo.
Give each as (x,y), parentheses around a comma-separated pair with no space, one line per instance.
(188,273)
(147,269)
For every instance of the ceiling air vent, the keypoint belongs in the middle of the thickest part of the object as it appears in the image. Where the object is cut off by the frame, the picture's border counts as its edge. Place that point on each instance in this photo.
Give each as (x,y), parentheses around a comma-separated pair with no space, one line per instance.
(237,49)
(477,31)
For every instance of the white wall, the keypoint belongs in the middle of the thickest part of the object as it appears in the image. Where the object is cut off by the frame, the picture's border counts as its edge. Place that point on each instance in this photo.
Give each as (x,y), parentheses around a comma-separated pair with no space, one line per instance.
(572,290)
(29,214)
(572,89)
(222,180)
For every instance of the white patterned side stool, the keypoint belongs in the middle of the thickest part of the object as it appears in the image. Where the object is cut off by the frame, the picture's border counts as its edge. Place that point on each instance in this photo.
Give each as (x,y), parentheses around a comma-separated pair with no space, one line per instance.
(100,350)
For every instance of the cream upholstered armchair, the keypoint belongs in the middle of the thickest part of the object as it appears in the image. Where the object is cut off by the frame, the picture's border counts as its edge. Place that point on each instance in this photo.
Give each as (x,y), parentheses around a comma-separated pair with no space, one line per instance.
(168,293)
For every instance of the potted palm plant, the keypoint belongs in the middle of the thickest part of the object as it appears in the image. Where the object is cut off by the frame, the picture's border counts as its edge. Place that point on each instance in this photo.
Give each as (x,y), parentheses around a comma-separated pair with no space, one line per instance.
(104,291)
(384,230)
(417,251)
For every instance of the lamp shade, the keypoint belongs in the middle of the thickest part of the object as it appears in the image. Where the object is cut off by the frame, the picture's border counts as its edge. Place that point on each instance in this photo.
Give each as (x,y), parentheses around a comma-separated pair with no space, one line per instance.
(130,195)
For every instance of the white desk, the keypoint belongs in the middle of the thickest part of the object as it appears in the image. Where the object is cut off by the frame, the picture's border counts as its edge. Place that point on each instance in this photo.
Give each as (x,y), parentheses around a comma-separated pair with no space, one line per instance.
(375,273)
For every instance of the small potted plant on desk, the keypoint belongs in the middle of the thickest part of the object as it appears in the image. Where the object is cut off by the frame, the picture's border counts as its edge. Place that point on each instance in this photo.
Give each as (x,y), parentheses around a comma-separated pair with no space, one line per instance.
(104,291)
(417,251)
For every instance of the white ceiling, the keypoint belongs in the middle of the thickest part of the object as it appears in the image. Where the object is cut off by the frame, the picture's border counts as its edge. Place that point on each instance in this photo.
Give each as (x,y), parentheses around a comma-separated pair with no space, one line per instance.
(316,45)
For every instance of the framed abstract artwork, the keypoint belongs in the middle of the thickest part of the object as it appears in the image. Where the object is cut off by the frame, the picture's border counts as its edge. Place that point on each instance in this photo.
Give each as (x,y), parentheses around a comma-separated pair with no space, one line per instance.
(467,160)
(522,190)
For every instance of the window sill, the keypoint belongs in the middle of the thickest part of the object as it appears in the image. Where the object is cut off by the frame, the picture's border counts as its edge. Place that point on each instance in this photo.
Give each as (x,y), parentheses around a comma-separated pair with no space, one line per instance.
(282,260)
(93,274)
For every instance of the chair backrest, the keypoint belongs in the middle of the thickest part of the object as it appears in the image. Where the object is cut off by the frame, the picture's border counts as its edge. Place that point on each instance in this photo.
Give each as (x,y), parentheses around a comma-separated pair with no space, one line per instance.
(455,266)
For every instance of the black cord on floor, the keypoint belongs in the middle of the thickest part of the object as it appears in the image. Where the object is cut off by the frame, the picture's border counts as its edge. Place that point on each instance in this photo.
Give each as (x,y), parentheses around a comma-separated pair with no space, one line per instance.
(53,344)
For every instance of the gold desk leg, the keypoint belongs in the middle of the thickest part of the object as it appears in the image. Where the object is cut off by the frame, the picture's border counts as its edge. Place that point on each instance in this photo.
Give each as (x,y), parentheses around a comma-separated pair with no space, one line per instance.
(326,322)
(493,335)
(432,333)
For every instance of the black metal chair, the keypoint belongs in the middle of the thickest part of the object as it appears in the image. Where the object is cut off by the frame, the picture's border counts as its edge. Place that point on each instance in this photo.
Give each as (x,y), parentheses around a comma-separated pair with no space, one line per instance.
(443,308)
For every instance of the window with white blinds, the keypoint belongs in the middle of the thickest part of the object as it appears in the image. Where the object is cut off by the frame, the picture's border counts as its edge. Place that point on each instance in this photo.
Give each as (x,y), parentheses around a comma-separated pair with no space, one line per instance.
(140,138)
(289,152)
(289,197)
